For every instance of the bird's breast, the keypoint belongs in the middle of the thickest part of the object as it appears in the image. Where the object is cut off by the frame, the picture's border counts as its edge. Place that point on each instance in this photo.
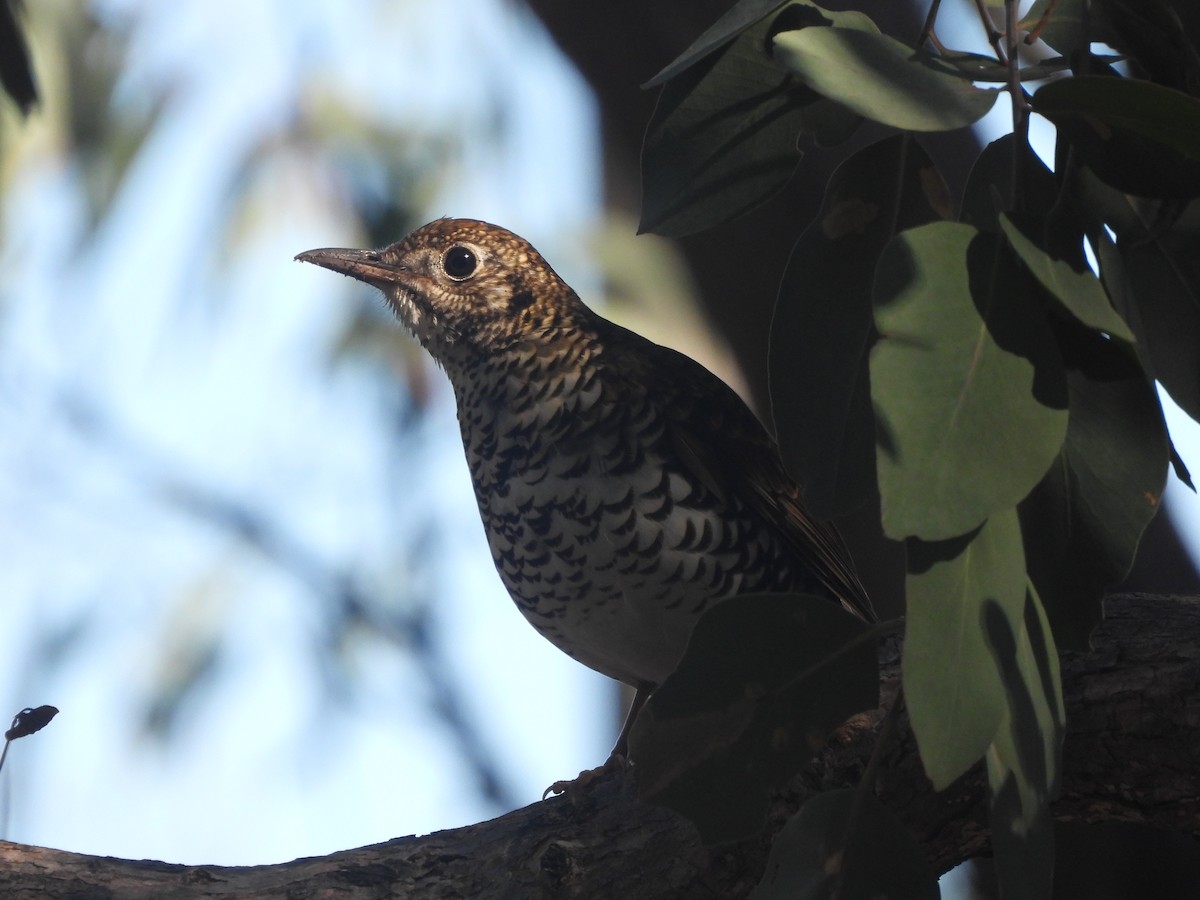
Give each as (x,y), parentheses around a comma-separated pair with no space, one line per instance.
(606,542)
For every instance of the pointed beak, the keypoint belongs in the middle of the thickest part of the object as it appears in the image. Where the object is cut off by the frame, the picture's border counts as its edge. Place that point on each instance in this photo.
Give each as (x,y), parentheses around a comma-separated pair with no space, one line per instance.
(365,265)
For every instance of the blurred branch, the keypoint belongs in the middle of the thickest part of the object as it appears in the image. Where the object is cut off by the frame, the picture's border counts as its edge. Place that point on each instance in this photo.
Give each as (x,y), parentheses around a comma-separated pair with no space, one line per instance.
(16,70)
(348,604)
(1132,699)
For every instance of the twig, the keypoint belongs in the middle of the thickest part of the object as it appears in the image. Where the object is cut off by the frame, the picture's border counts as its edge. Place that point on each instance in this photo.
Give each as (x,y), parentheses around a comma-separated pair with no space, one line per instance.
(930,23)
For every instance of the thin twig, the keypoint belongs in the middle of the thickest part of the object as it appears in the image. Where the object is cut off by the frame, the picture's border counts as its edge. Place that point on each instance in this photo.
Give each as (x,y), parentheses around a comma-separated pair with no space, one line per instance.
(930,23)
(1035,32)
(993,35)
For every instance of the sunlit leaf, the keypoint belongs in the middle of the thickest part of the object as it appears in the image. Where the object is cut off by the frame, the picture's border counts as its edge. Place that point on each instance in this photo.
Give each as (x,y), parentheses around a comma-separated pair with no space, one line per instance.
(823,328)
(969,390)
(954,693)
(848,835)
(764,680)
(882,79)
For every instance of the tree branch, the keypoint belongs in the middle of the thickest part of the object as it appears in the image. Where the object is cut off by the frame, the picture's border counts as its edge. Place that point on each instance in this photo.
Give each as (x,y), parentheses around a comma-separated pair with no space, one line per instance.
(1132,751)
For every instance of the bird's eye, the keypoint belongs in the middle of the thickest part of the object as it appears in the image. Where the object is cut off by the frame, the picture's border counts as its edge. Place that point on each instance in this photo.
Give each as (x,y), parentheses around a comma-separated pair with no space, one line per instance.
(459,262)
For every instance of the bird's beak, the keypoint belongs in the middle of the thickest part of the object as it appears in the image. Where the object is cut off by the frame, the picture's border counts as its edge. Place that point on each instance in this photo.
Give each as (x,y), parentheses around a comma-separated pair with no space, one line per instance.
(365,265)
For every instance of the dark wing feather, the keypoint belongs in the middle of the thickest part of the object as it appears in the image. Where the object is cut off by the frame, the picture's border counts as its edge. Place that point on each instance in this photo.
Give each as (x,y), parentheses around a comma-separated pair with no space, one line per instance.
(726,447)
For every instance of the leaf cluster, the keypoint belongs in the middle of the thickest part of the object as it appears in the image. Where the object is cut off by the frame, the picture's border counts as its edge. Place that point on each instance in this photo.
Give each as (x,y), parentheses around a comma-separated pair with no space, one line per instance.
(981,367)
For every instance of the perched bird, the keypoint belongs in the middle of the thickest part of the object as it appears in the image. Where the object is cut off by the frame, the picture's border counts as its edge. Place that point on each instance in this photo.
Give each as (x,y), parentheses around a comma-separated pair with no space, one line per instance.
(624,489)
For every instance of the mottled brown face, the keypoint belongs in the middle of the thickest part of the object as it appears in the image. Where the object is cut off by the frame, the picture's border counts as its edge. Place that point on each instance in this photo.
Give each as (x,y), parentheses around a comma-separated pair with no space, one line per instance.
(461,285)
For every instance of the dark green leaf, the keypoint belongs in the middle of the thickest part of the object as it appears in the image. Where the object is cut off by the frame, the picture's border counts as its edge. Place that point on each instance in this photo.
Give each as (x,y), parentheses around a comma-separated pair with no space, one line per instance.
(969,390)
(989,187)
(1059,24)
(1080,292)
(1154,281)
(764,680)
(954,693)
(736,19)
(1023,763)
(1139,137)
(1119,860)
(1161,35)
(1082,523)
(823,329)
(849,834)
(882,79)
(722,139)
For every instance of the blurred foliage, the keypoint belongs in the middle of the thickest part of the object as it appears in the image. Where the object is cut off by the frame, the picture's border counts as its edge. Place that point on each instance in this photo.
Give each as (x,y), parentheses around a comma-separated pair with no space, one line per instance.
(983,370)
(110,96)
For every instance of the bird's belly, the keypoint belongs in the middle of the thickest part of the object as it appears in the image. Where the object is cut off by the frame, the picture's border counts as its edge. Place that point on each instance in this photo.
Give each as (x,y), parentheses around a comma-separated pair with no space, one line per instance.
(615,569)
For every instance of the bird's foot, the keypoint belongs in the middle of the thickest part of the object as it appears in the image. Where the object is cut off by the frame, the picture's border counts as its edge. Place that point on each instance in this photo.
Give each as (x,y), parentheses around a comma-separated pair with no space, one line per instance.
(617,762)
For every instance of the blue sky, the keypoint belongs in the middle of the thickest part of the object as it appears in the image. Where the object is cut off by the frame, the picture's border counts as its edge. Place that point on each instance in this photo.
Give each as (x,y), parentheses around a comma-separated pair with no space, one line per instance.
(175,349)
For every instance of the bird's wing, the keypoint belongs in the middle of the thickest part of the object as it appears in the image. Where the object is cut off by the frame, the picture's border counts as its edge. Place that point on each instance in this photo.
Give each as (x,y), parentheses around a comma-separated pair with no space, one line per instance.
(728,461)
(724,445)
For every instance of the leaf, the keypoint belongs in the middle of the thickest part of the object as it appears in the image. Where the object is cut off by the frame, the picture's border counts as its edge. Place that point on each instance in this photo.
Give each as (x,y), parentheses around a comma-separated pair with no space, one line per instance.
(1024,761)
(1139,137)
(1083,521)
(1080,292)
(969,389)
(848,833)
(737,19)
(724,135)
(823,329)
(1059,24)
(1154,280)
(989,188)
(955,697)
(763,681)
(882,79)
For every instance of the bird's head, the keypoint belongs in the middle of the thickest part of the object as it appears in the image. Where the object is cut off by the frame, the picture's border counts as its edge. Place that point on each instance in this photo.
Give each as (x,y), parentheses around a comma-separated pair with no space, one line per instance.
(462,286)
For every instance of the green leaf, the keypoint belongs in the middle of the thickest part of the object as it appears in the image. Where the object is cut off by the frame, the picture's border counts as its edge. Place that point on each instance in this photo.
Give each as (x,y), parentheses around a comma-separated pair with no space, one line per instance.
(1083,521)
(763,681)
(737,19)
(1154,280)
(968,386)
(1024,761)
(1080,292)
(849,834)
(883,79)
(954,693)
(1139,137)
(1059,23)
(724,136)
(822,329)
(989,188)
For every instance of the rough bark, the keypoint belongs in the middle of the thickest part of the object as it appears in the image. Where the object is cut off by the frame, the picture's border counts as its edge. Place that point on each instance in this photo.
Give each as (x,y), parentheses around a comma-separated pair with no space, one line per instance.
(1132,754)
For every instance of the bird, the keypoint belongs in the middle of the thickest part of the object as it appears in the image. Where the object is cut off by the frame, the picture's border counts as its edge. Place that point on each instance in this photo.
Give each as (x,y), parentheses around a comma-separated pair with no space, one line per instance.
(624,489)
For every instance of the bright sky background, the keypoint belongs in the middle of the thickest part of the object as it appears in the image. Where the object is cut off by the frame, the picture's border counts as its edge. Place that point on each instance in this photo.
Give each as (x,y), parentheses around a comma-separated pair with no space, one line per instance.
(184,326)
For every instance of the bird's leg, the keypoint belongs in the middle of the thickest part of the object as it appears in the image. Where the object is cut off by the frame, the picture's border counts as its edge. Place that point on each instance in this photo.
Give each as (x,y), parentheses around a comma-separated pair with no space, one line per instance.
(617,759)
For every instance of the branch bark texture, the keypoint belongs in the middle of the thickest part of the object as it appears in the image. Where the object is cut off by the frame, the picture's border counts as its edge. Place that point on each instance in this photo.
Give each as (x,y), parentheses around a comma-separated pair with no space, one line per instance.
(1132,754)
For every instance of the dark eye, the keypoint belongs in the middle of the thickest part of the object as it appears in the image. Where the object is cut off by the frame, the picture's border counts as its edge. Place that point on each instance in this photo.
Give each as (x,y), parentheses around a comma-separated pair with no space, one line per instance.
(459,262)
